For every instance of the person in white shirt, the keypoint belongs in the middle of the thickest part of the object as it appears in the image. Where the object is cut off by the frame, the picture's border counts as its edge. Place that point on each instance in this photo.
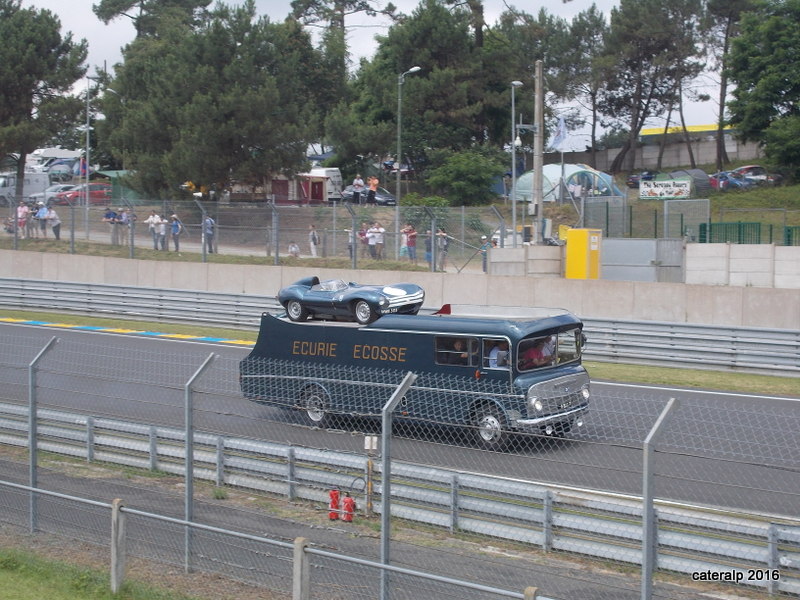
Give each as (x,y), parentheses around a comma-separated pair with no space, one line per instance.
(378,234)
(153,221)
(358,188)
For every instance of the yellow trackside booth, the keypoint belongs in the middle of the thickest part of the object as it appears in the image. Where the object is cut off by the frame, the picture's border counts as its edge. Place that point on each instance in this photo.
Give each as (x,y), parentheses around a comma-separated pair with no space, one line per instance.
(583,253)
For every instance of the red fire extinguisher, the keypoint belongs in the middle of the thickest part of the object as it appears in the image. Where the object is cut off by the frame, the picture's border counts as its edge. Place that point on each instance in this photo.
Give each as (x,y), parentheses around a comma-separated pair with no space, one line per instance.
(348,508)
(334,504)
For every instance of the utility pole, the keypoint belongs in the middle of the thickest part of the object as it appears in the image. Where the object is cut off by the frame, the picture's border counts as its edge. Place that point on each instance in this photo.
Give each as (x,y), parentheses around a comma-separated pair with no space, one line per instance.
(538,154)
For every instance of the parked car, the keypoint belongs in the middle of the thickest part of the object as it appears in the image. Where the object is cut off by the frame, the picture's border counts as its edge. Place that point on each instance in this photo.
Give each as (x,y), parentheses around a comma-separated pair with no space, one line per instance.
(50,193)
(634,178)
(99,193)
(758,174)
(383,197)
(336,298)
(729,180)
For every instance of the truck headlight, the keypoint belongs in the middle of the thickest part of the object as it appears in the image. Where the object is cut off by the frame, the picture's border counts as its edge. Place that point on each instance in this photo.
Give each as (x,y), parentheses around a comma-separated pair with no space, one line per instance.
(585,392)
(534,402)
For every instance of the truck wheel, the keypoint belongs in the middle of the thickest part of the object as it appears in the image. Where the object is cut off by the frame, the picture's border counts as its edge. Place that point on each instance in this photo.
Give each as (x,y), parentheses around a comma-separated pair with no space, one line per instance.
(491,428)
(363,312)
(296,311)
(316,403)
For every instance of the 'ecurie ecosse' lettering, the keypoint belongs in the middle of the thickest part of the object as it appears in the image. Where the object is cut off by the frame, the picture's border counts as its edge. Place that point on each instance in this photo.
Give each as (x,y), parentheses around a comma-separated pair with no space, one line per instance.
(390,353)
(314,348)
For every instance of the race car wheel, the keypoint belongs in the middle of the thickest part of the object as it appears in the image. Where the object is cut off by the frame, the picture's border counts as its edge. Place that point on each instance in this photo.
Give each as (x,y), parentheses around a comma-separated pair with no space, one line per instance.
(363,312)
(296,311)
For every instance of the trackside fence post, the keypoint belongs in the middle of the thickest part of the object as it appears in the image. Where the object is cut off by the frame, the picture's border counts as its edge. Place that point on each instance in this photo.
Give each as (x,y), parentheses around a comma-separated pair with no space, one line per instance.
(33,433)
(386,475)
(301,580)
(649,522)
(189,459)
(118,554)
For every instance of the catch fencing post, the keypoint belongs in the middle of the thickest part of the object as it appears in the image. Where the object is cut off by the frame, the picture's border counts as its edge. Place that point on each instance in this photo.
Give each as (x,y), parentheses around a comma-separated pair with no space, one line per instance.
(118,554)
(301,581)
(275,233)
(649,523)
(33,431)
(386,474)
(189,459)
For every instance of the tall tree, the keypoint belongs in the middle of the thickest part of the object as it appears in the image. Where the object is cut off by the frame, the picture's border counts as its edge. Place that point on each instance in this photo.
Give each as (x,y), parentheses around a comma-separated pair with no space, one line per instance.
(233,99)
(586,65)
(764,67)
(641,41)
(146,14)
(38,68)
(724,18)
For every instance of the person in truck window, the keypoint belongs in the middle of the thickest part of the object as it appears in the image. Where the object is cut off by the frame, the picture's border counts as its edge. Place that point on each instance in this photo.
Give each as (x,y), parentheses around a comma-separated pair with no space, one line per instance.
(498,355)
(535,353)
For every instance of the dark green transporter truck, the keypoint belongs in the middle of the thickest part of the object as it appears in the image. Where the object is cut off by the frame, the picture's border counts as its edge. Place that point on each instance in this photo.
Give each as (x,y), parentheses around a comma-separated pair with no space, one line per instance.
(519,371)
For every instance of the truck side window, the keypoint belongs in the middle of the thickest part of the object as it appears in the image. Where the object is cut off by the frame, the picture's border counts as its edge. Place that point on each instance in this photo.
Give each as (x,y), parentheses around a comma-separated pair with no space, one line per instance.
(456,351)
(495,353)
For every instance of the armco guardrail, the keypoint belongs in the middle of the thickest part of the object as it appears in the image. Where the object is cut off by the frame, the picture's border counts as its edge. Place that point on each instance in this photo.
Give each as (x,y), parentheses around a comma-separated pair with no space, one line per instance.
(755,350)
(608,526)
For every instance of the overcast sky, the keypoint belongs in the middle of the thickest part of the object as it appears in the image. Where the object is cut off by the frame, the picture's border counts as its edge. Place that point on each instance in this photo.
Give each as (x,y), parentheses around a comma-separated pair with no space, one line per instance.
(105,41)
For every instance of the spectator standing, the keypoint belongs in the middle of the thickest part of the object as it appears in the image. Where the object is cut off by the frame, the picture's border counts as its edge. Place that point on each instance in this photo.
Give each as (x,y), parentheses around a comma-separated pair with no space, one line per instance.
(176,229)
(31,227)
(380,234)
(55,222)
(123,223)
(362,236)
(373,189)
(442,245)
(358,188)
(23,214)
(110,217)
(161,229)
(372,238)
(411,243)
(428,248)
(41,214)
(313,239)
(153,221)
(208,232)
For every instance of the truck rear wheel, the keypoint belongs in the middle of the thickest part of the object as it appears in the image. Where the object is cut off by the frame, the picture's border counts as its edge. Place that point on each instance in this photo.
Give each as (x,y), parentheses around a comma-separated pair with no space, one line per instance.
(316,404)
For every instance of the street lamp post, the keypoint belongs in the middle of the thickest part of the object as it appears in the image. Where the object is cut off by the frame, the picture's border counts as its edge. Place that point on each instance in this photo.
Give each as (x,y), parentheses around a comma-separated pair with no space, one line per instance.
(400,80)
(514,85)
(86,164)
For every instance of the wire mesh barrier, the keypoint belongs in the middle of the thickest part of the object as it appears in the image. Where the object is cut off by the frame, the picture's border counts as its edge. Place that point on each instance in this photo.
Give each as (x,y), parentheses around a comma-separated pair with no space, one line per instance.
(537,513)
(366,234)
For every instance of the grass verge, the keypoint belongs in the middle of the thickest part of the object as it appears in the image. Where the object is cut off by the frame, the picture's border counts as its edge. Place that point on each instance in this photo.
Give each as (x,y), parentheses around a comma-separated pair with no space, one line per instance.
(27,576)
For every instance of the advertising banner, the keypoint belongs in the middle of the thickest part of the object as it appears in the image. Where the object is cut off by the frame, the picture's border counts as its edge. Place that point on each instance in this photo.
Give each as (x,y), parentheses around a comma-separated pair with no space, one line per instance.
(664,189)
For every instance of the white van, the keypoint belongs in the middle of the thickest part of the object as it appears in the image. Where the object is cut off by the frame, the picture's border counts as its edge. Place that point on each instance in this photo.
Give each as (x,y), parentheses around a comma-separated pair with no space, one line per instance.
(33,183)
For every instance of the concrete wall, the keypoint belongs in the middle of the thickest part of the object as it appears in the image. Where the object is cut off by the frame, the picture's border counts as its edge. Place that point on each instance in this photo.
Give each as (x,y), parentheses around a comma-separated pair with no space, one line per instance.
(743,265)
(717,304)
(646,157)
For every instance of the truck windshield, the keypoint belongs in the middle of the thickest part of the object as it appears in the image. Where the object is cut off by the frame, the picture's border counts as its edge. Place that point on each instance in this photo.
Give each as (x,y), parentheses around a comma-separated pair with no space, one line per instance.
(548,350)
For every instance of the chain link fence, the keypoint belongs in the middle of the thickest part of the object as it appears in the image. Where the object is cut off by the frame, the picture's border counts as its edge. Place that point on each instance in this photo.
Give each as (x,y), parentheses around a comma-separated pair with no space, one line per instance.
(723,472)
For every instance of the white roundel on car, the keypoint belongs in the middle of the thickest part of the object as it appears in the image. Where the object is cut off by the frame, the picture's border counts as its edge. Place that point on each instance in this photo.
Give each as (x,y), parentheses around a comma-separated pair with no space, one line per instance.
(393,291)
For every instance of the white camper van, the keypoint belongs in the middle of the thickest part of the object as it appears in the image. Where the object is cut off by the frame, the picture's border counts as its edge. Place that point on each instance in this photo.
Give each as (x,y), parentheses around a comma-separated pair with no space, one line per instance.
(33,183)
